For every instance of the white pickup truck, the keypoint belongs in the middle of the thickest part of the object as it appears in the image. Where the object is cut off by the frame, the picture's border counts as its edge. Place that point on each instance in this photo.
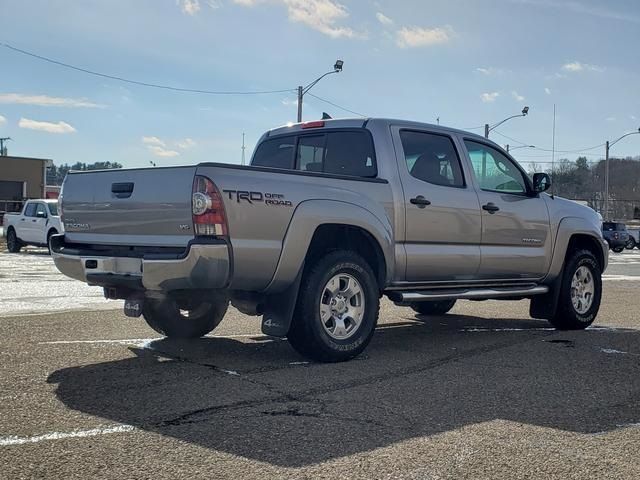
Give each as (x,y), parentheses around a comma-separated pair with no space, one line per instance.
(34,225)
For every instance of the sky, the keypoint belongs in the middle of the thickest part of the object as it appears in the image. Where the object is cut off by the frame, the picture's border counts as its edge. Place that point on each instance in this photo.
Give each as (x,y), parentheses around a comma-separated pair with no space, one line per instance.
(465,62)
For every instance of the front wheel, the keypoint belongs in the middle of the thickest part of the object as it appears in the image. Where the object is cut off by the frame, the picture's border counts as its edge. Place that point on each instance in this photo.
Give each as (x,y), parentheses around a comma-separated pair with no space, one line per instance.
(631,243)
(13,243)
(337,308)
(438,307)
(580,292)
(183,318)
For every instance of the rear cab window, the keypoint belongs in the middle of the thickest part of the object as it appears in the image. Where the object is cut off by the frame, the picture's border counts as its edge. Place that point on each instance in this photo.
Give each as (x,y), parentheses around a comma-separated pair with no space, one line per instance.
(337,152)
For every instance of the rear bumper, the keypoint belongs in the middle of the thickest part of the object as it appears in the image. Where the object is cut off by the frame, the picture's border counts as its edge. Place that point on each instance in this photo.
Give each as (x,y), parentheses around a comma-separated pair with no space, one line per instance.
(201,266)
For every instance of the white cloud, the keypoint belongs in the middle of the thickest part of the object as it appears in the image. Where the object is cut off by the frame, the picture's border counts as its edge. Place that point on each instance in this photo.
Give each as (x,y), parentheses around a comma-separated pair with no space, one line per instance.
(153,141)
(383,19)
(321,15)
(186,143)
(189,7)
(489,97)
(580,67)
(547,90)
(517,96)
(47,101)
(162,152)
(50,127)
(408,37)
(3,120)
(610,119)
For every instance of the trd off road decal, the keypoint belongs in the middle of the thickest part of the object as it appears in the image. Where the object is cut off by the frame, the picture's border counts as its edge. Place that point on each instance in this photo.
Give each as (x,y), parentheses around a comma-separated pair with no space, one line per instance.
(276,199)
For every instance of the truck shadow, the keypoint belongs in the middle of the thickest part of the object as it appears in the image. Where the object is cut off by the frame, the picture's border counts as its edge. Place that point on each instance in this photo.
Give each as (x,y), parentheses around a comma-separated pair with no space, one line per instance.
(258,399)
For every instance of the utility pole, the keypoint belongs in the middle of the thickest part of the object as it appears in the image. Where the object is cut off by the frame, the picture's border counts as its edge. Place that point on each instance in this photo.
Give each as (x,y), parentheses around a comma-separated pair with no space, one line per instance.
(3,150)
(606,181)
(243,149)
(486,130)
(507,148)
(300,95)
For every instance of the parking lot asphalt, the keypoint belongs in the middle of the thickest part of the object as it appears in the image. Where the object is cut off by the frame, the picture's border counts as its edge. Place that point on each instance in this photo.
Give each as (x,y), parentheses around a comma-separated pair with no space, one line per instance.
(483,392)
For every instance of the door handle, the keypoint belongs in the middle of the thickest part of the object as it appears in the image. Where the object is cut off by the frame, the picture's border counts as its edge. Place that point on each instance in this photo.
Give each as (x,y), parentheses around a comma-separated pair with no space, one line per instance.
(491,207)
(420,201)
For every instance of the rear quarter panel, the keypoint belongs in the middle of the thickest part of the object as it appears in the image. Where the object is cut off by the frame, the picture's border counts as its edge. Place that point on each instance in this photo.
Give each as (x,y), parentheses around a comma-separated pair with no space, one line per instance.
(261,203)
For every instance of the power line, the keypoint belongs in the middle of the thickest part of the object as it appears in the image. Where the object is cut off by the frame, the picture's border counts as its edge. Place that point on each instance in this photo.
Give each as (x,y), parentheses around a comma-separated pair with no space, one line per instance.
(336,105)
(579,150)
(136,82)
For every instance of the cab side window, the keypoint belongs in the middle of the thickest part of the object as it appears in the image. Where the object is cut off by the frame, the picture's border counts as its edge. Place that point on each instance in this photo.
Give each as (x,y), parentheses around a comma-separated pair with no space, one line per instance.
(30,211)
(495,171)
(41,210)
(432,158)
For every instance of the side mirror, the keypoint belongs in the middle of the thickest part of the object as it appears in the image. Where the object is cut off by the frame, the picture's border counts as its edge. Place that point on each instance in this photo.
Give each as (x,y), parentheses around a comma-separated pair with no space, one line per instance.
(541,182)
(41,214)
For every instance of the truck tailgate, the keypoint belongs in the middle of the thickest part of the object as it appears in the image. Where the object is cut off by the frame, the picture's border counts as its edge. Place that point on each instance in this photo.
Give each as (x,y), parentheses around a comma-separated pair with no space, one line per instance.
(150,206)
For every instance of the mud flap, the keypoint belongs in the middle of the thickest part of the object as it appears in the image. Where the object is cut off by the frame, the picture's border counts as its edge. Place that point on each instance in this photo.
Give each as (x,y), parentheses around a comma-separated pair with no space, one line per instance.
(278,309)
(545,306)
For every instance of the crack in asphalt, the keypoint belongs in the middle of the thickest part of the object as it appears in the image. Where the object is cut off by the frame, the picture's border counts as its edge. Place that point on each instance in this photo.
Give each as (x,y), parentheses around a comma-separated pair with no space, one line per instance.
(309,396)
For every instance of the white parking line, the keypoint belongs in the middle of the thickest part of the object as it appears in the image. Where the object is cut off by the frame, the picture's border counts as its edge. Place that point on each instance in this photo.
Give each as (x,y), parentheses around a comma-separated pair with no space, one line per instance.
(106,430)
(141,341)
(626,278)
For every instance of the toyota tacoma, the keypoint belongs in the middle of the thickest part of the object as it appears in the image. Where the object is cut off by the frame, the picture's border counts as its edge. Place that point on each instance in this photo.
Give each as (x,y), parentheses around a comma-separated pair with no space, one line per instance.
(330,216)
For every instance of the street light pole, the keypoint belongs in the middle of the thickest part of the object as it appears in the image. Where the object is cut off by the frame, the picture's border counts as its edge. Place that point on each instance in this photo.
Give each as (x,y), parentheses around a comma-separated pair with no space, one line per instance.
(519,146)
(488,128)
(337,68)
(608,146)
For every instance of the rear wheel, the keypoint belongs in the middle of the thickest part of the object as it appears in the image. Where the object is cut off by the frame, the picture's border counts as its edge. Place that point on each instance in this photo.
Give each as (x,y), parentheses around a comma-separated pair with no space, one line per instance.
(580,292)
(13,243)
(439,307)
(337,308)
(183,318)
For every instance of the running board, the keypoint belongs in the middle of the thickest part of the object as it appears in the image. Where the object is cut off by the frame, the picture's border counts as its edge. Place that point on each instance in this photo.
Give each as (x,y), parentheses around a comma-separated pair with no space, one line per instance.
(409,296)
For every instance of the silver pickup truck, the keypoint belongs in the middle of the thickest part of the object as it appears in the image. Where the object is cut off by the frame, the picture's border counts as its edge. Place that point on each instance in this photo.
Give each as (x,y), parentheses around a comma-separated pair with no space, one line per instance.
(330,216)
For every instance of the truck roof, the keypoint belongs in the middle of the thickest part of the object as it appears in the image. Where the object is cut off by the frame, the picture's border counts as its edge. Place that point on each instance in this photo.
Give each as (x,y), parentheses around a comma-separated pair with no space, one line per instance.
(362,122)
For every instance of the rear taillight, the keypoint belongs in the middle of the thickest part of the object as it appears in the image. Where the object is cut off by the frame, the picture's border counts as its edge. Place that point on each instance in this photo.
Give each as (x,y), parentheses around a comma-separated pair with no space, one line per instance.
(207,208)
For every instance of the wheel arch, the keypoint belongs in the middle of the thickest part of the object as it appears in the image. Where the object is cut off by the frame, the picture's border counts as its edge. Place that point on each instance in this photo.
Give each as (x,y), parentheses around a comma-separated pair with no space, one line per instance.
(322,225)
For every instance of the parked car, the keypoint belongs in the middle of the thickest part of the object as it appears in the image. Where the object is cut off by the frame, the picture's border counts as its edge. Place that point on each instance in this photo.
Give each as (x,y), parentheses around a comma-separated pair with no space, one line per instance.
(330,216)
(34,225)
(616,235)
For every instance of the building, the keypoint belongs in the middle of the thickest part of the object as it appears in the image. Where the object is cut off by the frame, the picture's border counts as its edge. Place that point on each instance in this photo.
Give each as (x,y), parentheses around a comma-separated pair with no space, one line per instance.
(21,178)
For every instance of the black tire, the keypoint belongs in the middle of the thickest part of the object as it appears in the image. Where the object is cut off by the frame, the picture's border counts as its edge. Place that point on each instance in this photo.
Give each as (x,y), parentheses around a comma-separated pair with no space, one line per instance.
(167,318)
(309,334)
(52,232)
(567,317)
(631,243)
(618,249)
(13,242)
(438,307)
